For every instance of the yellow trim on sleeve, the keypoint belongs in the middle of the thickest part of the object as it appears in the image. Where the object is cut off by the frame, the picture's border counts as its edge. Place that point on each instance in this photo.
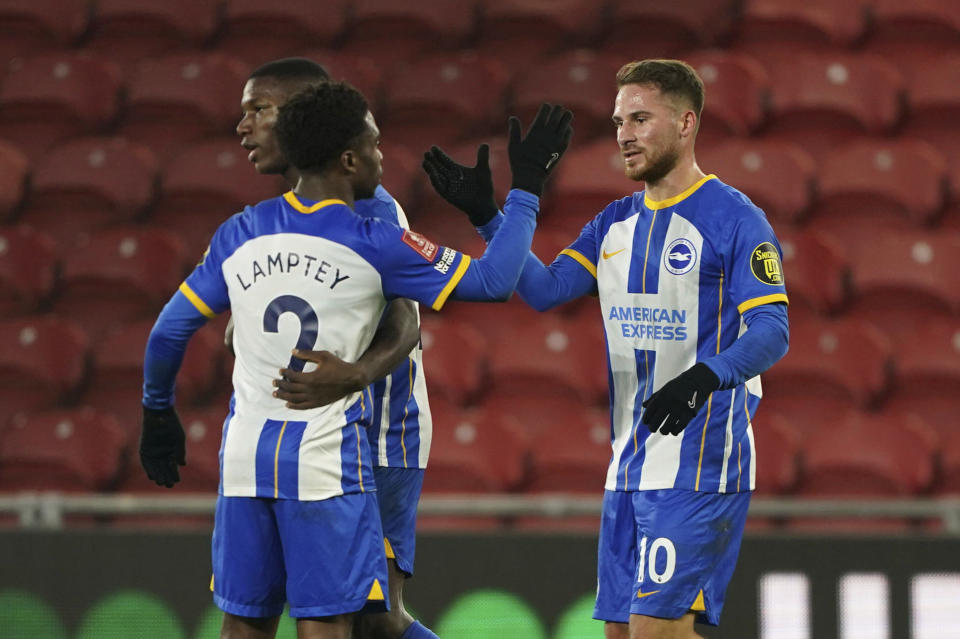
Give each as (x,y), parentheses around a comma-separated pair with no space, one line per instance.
(760,301)
(451,283)
(581,258)
(654,205)
(196,301)
(292,200)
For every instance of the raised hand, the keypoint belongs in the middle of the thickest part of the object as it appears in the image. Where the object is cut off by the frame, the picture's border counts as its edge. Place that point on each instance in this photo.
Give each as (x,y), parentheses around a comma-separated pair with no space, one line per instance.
(469,188)
(534,156)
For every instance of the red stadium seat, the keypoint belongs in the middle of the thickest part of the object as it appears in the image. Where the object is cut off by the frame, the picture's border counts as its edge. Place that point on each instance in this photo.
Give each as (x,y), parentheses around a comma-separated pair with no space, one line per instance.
(737,92)
(100,181)
(933,91)
(182,97)
(519,32)
(552,355)
(928,372)
(203,429)
(356,69)
(437,99)
(14,168)
(27,28)
(780,177)
(817,271)
(454,358)
(860,454)
(823,101)
(949,482)
(899,183)
(830,366)
(901,278)
(909,34)
(43,361)
(474,451)
(579,79)
(781,26)
(71,451)
(572,455)
(28,269)
(120,275)
(133,30)
(257,32)
(589,177)
(777,443)
(57,95)
(668,28)
(388,31)
(116,375)
(205,185)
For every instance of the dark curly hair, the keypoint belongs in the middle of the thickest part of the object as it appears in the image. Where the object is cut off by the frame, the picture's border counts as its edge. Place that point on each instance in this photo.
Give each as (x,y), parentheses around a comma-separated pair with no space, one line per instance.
(318,124)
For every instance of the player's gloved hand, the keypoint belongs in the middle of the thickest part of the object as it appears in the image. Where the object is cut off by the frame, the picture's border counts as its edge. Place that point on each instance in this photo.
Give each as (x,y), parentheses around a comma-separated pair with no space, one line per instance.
(534,156)
(469,188)
(162,446)
(671,408)
(332,379)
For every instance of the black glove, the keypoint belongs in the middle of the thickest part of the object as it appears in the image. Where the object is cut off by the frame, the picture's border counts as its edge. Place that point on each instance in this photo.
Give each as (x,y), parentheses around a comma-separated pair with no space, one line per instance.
(162,446)
(671,408)
(470,189)
(534,157)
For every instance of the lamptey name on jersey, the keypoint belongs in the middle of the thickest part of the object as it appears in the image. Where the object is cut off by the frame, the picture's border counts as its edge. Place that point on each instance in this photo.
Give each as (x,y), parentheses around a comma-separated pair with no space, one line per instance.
(290,262)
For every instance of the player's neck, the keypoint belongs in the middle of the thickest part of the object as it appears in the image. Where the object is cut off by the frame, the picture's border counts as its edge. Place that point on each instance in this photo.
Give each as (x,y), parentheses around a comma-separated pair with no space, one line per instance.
(681,178)
(323,186)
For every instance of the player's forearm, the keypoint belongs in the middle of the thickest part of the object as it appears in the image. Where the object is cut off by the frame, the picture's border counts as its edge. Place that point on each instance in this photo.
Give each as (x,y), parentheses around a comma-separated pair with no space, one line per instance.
(540,286)
(493,276)
(397,335)
(766,341)
(166,346)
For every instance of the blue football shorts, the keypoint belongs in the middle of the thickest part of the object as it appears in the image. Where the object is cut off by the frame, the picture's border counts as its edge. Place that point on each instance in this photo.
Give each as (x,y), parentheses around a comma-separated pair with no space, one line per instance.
(664,553)
(398,493)
(323,557)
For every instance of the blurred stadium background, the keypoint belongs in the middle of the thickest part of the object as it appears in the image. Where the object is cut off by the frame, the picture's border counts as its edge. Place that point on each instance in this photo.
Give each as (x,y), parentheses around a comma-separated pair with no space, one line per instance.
(841,118)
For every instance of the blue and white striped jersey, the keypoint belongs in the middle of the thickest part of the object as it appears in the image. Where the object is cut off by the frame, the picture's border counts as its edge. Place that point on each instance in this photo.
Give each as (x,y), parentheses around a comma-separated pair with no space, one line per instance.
(402,427)
(316,276)
(673,278)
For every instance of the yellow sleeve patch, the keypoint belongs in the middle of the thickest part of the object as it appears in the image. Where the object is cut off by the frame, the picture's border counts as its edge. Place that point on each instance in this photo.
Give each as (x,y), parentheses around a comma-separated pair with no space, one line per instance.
(760,301)
(452,283)
(581,258)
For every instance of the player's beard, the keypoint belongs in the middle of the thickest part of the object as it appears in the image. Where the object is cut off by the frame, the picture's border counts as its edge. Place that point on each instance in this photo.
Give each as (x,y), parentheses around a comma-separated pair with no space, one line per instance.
(658,168)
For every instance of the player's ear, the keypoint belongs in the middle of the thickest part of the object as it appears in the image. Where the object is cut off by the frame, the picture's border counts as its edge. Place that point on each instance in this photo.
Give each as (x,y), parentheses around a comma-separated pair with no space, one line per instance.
(688,123)
(349,161)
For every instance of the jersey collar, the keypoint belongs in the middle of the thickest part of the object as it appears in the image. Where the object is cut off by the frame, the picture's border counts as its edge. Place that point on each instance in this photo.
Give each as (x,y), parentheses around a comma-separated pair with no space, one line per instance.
(654,205)
(293,201)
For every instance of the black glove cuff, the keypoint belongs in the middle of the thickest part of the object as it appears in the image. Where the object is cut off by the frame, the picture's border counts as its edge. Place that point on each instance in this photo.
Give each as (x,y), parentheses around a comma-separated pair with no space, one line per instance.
(703,378)
(530,181)
(483,216)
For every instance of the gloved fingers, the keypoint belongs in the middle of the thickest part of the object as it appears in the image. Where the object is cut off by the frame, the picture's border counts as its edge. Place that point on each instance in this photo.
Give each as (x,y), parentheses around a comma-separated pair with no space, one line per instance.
(542,119)
(443,159)
(483,157)
(437,178)
(513,131)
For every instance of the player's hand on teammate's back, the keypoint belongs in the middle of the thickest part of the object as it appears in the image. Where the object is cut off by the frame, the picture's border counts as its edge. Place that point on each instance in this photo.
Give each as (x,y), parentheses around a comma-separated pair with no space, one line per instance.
(469,188)
(162,446)
(671,408)
(332,379)
(534,156)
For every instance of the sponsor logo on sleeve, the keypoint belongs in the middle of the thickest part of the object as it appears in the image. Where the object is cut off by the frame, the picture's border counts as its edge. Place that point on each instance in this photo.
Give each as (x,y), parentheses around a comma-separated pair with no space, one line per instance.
(680,256)
(765,264)
(420,244)
(446,260)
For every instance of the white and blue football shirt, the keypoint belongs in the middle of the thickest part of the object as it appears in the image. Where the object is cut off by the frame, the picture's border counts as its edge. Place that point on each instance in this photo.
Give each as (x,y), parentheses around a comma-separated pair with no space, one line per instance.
(673,278)
(315,276)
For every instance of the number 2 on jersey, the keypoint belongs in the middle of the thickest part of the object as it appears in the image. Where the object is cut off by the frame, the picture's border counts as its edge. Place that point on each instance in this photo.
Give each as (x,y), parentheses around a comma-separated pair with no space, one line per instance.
(309,324)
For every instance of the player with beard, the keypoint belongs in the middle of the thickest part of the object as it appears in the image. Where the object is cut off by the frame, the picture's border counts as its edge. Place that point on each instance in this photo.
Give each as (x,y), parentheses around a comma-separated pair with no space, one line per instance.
(693,304)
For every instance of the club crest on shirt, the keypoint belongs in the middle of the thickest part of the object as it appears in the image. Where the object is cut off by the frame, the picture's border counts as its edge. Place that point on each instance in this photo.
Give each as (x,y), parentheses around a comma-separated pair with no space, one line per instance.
(420,244)
(680,256)
(765,264)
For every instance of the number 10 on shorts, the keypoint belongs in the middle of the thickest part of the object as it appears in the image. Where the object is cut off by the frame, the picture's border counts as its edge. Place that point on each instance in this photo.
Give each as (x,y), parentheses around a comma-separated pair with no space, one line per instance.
(662,554)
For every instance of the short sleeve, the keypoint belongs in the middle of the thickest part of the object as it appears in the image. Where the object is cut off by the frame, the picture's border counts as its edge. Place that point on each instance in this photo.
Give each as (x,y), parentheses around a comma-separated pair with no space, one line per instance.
(205,287)
(754,263)
(413,266)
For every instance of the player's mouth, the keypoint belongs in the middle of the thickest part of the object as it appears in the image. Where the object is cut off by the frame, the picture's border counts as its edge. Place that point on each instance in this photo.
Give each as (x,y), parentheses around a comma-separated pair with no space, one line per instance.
(252,148)
(629,155)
